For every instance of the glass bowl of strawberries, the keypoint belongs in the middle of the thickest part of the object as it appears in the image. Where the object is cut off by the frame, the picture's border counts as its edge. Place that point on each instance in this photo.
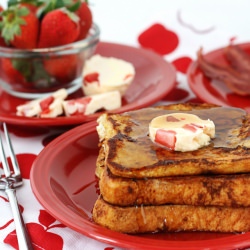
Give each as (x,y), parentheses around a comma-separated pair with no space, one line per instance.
(44,45)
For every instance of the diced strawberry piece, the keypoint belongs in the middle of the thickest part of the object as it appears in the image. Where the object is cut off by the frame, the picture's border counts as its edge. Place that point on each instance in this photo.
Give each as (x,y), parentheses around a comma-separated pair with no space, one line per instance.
(80,108)
(196,125)
(85,100)
(190,127)
(46,111)
(127,76)
(44,104)
(171,118)
(92,77)
(166,138)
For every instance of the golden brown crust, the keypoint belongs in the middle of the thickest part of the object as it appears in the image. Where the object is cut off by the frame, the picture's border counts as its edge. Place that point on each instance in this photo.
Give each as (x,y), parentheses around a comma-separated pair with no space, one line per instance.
(129,151)
(217,190)
(141,219)
(155,189)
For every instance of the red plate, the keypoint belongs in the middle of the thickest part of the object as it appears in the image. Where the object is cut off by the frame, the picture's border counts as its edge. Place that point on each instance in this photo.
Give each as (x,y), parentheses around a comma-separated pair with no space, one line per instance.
(63,180)
(154,79)
(211,91)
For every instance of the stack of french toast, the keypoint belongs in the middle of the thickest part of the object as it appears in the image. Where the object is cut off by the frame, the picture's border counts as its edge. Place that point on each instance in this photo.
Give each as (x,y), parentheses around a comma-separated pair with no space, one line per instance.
(148,188)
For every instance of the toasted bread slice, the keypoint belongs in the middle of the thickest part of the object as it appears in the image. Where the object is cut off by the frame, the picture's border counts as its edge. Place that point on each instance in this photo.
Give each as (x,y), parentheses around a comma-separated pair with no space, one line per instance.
(129,152)
(171,218)
(217,190)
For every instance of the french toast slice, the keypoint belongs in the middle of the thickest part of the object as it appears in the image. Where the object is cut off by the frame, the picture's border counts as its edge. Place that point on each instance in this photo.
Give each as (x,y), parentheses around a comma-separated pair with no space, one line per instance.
(171,218)
(206,190)
(127,150)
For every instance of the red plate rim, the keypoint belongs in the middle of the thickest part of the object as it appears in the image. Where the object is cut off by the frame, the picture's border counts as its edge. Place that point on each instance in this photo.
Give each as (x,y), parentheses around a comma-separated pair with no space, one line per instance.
(45,195)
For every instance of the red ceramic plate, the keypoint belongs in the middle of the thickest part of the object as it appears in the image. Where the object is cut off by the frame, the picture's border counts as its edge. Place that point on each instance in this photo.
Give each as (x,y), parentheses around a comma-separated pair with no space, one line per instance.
(154,79)
(211,91)
(63,180)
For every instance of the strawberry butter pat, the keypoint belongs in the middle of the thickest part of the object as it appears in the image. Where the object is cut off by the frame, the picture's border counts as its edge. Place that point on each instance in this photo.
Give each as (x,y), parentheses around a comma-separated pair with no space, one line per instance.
(181,131)
(46,107)
(105,74)
(90,104)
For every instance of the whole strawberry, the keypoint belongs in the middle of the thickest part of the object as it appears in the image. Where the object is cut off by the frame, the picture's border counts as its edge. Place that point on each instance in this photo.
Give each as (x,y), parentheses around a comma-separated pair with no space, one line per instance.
(58,27)
(19,27)
(63,69)
(2,42)
(86,19)
(11,72)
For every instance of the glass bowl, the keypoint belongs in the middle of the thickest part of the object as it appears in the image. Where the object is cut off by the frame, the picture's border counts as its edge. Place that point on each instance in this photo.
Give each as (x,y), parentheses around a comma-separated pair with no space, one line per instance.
(34,73)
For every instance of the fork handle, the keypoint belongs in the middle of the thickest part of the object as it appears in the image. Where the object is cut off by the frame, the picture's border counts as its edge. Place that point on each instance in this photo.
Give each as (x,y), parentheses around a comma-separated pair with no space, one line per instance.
(24,242)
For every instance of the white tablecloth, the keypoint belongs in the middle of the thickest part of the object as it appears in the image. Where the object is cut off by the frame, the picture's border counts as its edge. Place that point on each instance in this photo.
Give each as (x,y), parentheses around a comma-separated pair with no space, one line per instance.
(210,24)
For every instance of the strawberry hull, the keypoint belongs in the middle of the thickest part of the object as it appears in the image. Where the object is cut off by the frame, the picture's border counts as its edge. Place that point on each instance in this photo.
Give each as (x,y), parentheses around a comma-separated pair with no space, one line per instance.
(30,73)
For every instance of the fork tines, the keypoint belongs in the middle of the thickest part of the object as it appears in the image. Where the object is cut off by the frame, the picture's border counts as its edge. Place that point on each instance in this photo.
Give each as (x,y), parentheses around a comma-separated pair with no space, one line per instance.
(16,176)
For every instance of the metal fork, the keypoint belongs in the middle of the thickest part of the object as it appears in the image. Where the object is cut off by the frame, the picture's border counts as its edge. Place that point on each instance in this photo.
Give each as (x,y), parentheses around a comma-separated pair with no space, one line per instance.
(8,183)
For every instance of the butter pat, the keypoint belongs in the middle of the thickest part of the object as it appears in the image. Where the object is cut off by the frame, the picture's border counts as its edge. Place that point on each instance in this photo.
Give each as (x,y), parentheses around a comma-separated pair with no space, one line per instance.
(181,131)
(105,74)
(47,107)
(90,104)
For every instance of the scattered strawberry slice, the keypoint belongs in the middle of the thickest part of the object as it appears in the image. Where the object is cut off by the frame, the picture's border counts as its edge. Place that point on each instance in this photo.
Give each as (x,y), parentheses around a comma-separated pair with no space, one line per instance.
(166,138)
(59,27)
(20,27)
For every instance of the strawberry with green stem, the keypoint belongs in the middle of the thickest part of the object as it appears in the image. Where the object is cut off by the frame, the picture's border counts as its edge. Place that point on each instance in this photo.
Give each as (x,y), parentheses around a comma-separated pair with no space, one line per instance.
(32,5)
(81,8)
(58,27)
(19,27)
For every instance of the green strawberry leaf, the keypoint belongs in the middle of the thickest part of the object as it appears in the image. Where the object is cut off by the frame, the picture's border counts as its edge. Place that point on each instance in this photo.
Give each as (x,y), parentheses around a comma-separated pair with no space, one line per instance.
(72,5)
(12,19)
(49,5)
(32,70)
(12,2)
(39,73)
(33,2)
(23,66)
